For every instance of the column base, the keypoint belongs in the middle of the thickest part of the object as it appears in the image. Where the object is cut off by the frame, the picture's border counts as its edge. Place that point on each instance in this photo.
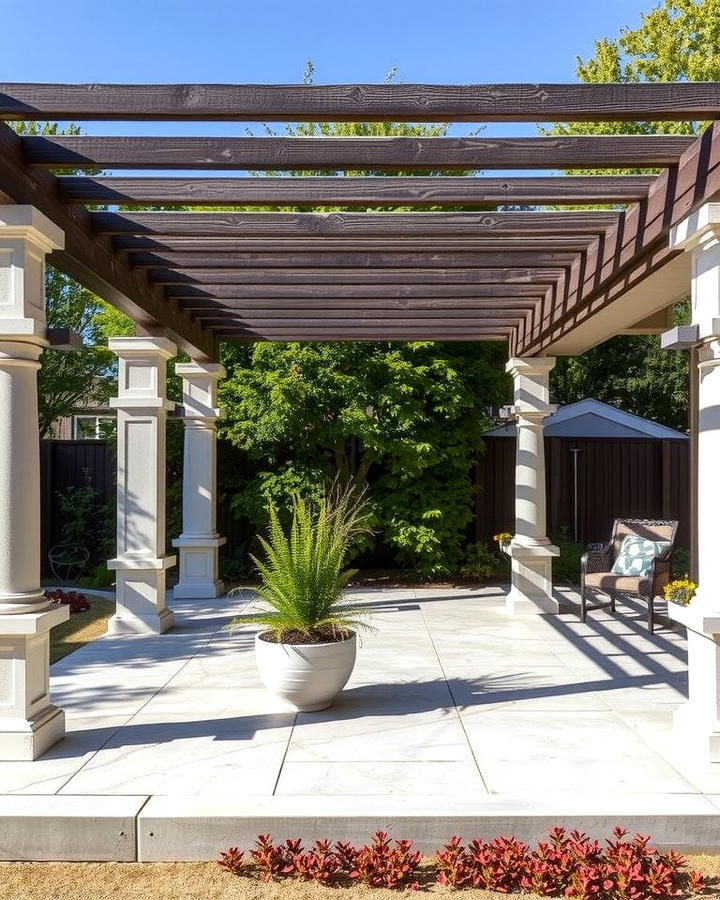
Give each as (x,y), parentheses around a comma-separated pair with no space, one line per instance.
(141,605)
(32,737)
(29,723)
(696,725)
(198,568)
(532,586)
(696,733)
(200,591)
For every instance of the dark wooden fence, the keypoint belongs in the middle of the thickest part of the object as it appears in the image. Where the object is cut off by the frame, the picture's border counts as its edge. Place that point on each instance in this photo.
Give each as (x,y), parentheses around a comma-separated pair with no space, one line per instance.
(65,464)
(590,482)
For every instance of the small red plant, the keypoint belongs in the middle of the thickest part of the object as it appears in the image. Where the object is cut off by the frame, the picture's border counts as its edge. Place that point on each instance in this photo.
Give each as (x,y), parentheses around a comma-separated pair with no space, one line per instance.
(320,863)
(569,865)
(74,599)
(232,860)
(269,858)
(380,864)
(566,865)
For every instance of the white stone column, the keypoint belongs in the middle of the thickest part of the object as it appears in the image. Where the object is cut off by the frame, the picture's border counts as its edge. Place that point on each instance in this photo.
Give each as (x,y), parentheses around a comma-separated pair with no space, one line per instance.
(697,722)
(142,409)
(530,549)
(29,723)
(199,542)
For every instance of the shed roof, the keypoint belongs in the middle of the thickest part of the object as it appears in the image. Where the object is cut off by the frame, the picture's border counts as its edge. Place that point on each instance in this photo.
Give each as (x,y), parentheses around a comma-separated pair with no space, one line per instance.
(593,419)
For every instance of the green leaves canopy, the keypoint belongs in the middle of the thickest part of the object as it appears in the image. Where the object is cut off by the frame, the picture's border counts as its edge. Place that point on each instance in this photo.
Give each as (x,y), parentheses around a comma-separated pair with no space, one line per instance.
(405,418)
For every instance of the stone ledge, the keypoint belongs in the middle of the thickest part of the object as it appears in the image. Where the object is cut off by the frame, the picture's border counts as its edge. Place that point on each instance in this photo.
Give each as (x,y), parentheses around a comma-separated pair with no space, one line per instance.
(69,827)
(193,828)
(694,618)
(129,563)
(540,551)
(152,829)
(34,623)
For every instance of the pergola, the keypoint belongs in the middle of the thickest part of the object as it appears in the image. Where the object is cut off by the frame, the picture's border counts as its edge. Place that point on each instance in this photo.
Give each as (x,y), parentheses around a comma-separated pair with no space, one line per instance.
(467,258)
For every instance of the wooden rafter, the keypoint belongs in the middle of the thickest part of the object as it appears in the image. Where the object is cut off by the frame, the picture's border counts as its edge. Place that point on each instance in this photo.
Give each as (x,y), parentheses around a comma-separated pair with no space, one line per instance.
(688,101)
(334,225)
(527,276)
(380,191)
(398,154)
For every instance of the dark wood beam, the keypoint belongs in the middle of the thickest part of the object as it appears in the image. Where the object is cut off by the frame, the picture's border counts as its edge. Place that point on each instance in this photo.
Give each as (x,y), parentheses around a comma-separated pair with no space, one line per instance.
(398,154)
(206,250)
(379,304)
(334,318)
(686,101)
(373,191)
(238,225)
(492,260)
(379,277)
(628,253)
(242,335)
(90,259)
(339,292)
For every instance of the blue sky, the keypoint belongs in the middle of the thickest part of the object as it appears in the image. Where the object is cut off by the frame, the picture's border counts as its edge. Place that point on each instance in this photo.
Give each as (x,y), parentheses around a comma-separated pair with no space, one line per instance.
(218,40)
(458,41)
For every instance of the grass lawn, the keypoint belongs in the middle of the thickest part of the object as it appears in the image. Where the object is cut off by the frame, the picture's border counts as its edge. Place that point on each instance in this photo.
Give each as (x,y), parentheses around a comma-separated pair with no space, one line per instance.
(205,881)
(81,627)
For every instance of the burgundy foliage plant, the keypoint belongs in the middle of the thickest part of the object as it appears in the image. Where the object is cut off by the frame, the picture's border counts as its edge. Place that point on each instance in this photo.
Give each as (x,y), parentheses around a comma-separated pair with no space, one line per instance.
(74,599)
(565,865)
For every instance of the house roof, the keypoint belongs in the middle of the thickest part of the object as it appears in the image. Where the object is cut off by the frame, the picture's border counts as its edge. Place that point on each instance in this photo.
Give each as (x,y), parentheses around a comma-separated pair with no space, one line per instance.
(593,419)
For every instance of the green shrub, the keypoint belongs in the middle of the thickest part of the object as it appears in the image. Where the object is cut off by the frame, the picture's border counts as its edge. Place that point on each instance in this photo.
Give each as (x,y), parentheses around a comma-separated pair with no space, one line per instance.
(100,577)
(566,567)
(680,564)
(481,562)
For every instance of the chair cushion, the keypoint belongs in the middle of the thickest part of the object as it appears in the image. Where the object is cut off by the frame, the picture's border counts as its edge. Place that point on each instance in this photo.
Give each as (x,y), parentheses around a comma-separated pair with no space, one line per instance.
(636,556)
(607,581)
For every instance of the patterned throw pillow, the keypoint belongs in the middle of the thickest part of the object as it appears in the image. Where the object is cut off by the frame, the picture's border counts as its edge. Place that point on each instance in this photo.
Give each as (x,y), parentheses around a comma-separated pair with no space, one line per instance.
(636,556)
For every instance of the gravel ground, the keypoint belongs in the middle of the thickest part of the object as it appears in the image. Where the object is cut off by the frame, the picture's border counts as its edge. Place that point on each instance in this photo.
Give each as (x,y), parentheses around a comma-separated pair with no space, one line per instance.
(205,881)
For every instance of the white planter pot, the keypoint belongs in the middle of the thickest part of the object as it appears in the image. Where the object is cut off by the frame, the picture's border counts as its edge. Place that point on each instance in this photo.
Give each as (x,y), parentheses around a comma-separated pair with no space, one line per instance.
(308,676)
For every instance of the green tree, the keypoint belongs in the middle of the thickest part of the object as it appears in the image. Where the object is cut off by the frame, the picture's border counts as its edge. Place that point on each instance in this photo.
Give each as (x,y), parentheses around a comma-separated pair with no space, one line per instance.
(677,40)
(405,418)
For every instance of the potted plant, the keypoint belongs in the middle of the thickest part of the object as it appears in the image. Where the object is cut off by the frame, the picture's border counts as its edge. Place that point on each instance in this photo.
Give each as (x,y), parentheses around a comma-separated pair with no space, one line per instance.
(503,539)
(307,650)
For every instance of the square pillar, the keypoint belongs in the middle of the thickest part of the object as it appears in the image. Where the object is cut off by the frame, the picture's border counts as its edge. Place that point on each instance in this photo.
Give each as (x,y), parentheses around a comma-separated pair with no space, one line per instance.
(697,722)
(199,542)
(141,562)
(29,723)
(530,550)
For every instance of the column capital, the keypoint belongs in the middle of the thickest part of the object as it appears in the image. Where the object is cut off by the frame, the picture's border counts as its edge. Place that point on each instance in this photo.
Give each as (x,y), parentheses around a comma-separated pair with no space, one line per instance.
(200,383)
(529,365)
(709,355)
(142,372)
(24,222)
(698,230)
(194,369)
(144,345)
(26,237)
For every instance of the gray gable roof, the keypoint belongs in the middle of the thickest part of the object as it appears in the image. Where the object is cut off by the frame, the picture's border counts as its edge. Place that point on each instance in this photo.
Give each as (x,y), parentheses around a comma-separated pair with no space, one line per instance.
(592,418)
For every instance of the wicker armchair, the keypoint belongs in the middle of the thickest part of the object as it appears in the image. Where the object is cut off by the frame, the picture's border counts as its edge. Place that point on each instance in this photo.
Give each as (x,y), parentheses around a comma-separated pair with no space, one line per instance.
(597,563)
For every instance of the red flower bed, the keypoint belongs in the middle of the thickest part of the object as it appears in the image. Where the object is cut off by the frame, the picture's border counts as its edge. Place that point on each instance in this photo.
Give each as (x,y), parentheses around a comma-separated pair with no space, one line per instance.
(566,865)
(74,599)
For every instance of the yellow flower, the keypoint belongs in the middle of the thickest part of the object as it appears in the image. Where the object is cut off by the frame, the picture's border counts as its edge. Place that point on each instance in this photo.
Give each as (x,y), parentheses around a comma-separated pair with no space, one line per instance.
(681,591)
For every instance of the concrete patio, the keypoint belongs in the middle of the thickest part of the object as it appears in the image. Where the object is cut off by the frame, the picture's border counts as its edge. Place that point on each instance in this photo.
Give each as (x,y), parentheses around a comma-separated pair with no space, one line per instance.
(459,717)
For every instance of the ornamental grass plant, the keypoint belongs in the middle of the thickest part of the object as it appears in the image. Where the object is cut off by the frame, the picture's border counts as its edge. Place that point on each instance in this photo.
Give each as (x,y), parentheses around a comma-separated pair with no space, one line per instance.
(303,574)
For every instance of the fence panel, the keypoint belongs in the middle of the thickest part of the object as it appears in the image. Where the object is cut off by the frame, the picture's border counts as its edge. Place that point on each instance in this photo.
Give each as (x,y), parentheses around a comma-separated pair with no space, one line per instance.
(590,482)
(65,464)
